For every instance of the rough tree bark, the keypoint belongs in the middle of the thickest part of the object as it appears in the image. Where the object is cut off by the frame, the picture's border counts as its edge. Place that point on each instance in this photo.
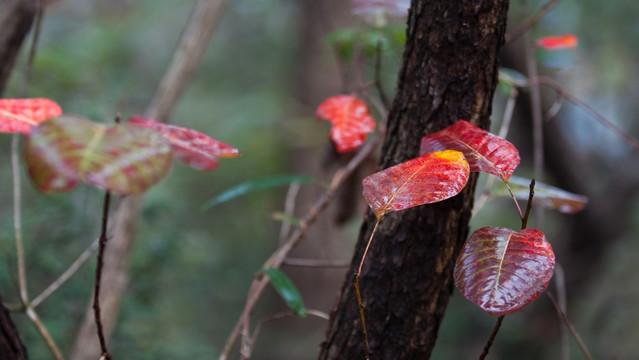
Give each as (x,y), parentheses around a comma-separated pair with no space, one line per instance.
(16,19)
(449,72)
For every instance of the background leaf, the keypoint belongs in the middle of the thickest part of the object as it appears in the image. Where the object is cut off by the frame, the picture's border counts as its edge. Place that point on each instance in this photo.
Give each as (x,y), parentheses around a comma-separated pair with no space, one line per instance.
(547,196)
(502,270)
(350,119)
(284,286)
(429,178)
(123,159)
(193,148)
(483,151)
(254,185)
(19,115)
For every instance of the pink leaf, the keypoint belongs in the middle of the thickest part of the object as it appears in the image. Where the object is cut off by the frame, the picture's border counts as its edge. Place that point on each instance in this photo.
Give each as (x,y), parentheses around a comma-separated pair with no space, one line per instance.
(194,148)
(350,119)
(426,179)
(483,151)
(502,270)
(19,115)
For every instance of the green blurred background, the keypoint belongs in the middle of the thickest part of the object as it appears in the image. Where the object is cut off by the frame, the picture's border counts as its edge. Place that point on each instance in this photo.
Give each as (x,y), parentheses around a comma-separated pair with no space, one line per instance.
(269,64)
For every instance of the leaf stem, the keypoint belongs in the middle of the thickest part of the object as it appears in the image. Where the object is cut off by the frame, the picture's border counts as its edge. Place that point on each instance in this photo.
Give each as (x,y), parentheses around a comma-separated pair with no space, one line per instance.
(492,338)
(98,276)
(572,329)
(360,304)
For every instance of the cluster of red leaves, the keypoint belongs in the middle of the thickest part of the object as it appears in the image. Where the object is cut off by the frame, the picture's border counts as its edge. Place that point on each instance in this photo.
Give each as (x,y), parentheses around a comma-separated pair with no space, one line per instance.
(350,121)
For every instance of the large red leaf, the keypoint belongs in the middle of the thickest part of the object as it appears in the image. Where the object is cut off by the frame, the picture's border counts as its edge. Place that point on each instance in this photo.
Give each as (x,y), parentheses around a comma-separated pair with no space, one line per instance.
(567,41)
(427,179)
(503,270)
(350,119)
(483,151)
(19,115)
(194,148)
(123,159)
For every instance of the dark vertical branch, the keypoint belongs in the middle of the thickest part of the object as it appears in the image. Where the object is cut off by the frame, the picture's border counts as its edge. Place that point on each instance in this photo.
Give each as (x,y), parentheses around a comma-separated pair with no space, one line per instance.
(98,275)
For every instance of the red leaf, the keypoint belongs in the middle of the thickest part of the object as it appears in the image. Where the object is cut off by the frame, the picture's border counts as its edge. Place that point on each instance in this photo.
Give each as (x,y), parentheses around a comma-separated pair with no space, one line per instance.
(123,159)
(483,151)
(19,115)
(502,270)
(423,180)
(567,41)
(197,150)
(350,119)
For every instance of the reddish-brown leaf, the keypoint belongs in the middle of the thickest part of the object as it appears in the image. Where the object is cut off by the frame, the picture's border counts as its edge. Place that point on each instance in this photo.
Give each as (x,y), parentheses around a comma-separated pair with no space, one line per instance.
(19,115)
(427,179)
(194,148)
(483,151)
(567,41)
(502,270)
(123,159)
(350,119)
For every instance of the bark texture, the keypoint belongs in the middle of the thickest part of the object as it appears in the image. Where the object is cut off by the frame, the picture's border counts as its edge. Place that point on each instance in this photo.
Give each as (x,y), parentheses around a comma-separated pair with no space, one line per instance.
(449,72)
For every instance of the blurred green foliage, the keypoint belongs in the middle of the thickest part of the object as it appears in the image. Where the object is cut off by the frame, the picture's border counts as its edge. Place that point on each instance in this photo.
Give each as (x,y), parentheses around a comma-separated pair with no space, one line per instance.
(190,271)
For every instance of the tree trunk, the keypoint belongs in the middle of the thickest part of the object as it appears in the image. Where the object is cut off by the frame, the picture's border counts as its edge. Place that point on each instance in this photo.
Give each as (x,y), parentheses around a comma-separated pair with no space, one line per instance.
(449,72)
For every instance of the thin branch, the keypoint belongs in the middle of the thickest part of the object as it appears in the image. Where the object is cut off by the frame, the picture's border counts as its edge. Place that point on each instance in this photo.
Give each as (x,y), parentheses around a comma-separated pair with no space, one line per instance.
(274,317)
(531,195)
(98,276)
(560,285)
(489,344)
(316,263)
(537,122)
(528,23)
(35,319)
(66,275)
(280,255)
(572,329)
(378,78)
(546,81)
(17,219)
(289,209)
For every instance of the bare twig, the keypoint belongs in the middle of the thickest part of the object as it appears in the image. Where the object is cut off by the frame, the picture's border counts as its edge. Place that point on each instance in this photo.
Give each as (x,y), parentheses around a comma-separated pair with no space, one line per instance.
(98,276)
(491,339)
(279,256)
(274,317)
(546,81)
(537,122)
(378,78)
(86,255)
(531,195)
(572,329)
(316,263)
(35,319)
(560,285)
(289,209)
(531,21)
